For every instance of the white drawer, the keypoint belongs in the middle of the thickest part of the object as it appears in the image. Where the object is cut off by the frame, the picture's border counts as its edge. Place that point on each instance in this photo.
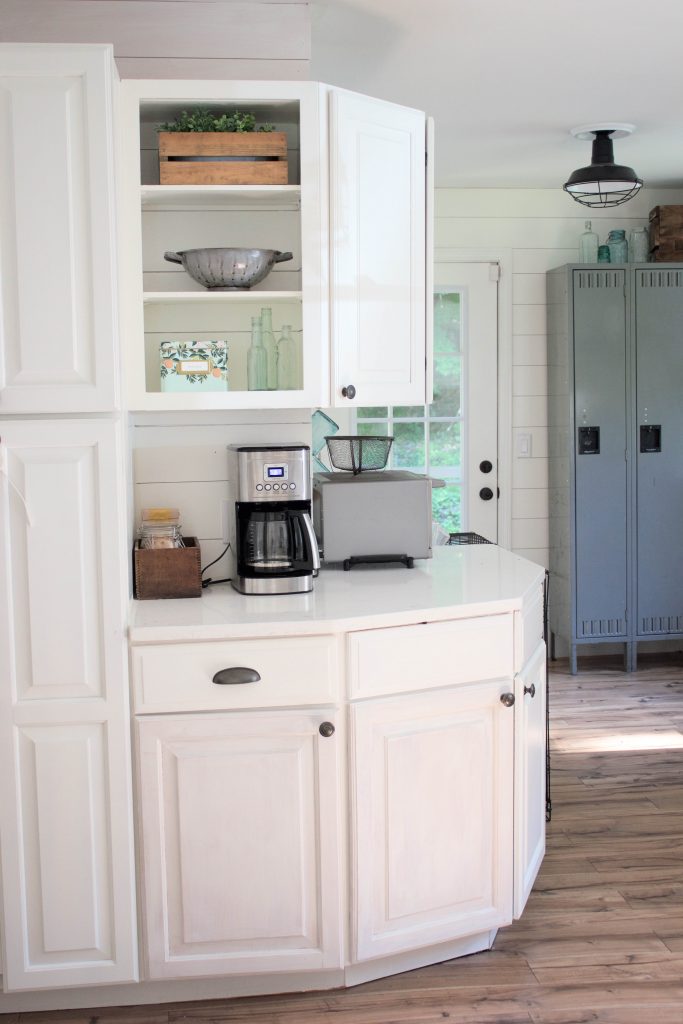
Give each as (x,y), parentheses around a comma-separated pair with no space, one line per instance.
(294,671)
(430,654)
(528,628)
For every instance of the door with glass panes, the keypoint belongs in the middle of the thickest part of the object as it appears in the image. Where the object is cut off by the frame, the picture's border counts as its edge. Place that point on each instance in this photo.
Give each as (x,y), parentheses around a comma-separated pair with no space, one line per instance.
(455,438)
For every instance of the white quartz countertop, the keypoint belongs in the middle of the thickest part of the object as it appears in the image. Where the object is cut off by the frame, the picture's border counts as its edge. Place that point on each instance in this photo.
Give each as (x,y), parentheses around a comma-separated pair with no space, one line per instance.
(459,581)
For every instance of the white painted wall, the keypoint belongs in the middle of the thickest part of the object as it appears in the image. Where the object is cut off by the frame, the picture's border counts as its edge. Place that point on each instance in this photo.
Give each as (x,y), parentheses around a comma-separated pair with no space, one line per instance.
(246,39)
(541,227)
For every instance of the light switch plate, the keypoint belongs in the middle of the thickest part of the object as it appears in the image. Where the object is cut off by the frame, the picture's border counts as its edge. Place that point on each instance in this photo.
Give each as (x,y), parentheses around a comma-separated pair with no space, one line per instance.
(523,446)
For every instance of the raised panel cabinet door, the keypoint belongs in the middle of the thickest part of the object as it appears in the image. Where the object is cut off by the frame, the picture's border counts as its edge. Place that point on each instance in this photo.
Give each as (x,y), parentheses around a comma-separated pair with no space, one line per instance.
(530,769)
(240,852)
(377,251)
(68,890)
(431,818)
(58,319)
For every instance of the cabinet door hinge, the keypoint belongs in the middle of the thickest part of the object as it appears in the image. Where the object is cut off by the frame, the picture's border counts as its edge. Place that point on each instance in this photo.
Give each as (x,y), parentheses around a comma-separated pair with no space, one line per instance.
(494,271)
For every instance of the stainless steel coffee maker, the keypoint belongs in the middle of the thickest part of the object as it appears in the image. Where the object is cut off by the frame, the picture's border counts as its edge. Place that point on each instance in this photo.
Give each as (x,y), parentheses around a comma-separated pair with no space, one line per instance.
(272,536)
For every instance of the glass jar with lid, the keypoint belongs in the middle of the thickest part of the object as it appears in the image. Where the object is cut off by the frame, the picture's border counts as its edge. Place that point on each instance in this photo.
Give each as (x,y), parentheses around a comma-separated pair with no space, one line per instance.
(618,246)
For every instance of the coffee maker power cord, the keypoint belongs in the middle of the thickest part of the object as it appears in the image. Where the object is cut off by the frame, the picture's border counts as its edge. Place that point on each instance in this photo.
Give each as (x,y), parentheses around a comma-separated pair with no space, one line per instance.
(210,582)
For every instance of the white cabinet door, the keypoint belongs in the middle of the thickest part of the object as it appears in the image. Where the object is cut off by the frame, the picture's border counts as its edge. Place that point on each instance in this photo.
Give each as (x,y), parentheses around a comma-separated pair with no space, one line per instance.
(530,750)
(57,254)
(377,251)
(432,794)
(65,788)
(240,843)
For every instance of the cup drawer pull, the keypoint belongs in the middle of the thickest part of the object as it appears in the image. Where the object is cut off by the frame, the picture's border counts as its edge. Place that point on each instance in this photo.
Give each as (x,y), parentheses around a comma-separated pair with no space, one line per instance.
(236,676)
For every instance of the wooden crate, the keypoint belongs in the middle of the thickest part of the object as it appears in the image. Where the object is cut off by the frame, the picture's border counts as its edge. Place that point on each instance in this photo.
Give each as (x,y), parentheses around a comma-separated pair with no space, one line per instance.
(167,572)
(248,158)
(666,233)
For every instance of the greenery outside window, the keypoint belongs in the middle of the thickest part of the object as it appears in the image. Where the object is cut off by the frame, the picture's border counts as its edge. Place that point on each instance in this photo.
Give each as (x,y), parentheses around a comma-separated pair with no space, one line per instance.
(429,438)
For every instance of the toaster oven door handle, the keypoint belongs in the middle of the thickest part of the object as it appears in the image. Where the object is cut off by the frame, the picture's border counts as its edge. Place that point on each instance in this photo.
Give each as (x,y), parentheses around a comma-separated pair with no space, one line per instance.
(310,532)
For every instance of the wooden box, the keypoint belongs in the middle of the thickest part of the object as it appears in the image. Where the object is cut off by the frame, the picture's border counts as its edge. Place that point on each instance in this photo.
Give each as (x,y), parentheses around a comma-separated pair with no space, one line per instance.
(223,158)
(167,572)
(666,234)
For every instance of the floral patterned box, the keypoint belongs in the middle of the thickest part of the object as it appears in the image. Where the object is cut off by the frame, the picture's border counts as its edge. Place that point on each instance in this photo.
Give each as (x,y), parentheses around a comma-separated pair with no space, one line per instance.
(194,366)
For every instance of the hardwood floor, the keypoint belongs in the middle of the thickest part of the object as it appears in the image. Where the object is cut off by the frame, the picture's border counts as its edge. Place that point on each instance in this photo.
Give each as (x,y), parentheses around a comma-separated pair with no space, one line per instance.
(602,935)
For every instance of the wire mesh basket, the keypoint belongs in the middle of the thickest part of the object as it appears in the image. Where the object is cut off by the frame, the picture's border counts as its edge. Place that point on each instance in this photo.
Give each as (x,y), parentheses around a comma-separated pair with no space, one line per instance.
(467,538)
(357,454)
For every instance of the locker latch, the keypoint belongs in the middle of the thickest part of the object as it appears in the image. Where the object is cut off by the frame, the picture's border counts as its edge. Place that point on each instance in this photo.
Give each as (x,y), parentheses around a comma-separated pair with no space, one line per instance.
(650,437)
(589,440)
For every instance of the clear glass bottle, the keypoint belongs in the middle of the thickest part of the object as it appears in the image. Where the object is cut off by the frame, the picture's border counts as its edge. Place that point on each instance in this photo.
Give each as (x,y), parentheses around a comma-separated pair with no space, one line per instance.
(618,246)
(270,346)
(257,361)
(639,246)
(588,245)
(286,360)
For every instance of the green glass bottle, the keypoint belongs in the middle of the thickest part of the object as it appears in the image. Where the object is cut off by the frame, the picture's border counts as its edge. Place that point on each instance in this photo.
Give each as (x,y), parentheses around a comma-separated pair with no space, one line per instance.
(257,361)
(286,360)
(270,346)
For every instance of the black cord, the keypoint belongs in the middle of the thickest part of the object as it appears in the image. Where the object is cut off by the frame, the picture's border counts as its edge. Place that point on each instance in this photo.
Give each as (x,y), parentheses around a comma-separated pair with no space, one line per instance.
(210,582)
(223,552)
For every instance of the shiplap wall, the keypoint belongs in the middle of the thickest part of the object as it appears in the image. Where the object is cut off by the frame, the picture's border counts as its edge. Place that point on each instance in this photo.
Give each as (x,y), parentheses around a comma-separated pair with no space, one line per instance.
(541,227)
(246,39)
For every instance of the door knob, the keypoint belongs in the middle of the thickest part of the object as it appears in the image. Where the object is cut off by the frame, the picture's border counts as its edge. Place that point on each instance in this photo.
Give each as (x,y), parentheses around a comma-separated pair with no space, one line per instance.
(349,391)
(326,729)
(508,699)
(486,494)
(486,466)
(531,690)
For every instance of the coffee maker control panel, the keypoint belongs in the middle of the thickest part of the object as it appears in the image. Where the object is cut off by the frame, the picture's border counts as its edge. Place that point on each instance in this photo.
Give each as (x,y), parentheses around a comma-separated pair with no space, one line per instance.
(273,474)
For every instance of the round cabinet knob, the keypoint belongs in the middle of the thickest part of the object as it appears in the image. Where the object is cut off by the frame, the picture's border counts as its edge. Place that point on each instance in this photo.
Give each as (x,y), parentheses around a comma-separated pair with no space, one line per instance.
(486,466)
(349,391)
(486,494)
(508,699)
(531,690)
(326,729)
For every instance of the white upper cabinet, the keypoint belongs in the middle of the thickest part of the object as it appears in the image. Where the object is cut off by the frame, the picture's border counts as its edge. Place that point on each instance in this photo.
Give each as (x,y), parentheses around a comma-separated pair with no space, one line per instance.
(377,202)
(374,197)
(58,324)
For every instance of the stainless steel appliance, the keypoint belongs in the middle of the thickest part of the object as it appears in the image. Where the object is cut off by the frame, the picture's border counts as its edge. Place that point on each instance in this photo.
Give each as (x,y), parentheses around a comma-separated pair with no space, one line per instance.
(271,532)
(387,512)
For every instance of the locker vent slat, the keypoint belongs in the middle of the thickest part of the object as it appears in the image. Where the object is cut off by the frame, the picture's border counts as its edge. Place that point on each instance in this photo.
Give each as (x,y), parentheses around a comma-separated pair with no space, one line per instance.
(662,624)
(660,278)
(600,279)
(603,627)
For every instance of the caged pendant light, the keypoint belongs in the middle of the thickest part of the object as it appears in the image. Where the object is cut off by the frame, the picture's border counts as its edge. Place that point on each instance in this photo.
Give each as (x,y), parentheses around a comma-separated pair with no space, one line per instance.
(603,183)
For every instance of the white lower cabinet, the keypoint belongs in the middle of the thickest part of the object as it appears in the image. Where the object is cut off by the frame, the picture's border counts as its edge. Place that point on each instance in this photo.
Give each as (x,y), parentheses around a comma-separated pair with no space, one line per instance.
(240,845)
(530,769)
(432,806)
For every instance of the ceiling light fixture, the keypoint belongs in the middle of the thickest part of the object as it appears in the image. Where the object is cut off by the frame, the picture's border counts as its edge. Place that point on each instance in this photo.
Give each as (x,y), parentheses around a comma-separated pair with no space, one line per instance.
(603,183)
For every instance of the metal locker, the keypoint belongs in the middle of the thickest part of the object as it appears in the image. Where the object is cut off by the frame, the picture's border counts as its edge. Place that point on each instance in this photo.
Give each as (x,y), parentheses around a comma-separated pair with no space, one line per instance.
(600,441)
(658,448)
(615,415)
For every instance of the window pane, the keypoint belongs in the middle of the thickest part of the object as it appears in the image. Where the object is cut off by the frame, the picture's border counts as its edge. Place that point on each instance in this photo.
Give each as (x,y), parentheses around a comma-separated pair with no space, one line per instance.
(447,375)
(408,451)
(372,412)
(378,429)
(403,412)
(446,507)
(444,448)
(447,322)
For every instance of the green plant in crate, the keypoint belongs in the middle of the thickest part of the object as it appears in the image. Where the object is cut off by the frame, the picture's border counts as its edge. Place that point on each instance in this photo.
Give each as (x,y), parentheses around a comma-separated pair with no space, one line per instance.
(203,120)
